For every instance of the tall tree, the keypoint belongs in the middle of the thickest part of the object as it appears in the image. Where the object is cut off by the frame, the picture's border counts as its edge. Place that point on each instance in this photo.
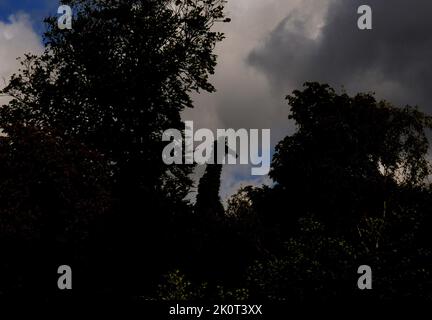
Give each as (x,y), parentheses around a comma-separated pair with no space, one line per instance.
(349,153)
(115,82)
(351,189)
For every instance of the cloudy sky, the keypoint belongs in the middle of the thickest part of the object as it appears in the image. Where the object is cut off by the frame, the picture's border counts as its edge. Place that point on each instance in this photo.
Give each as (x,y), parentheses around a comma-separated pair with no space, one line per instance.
(271,48)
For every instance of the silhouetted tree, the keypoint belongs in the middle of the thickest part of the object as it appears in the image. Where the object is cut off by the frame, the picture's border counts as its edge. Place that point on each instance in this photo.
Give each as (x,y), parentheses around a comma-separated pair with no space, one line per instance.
(114,83)
(217,258)
(208,203)
(351,189)
(348,154)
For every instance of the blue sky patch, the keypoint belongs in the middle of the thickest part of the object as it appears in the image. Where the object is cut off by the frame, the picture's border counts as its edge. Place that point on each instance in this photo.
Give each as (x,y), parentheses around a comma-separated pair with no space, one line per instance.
(36,9)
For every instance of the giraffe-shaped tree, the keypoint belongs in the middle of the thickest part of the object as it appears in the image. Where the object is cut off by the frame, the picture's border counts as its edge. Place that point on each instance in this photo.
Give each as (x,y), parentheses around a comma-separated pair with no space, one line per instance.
(208,203)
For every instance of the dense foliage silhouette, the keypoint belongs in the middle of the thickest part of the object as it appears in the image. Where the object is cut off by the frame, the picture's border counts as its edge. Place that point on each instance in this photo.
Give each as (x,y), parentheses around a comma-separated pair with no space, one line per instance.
(113,84)
(83,183)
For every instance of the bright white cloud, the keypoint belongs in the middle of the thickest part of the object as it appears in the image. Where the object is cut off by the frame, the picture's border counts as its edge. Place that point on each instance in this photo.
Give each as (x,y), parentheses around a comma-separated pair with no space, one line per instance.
(17,37)
(245,97)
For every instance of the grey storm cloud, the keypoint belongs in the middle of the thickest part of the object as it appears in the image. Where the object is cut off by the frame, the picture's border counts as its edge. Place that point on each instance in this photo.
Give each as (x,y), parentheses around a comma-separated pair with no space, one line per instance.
(394,59)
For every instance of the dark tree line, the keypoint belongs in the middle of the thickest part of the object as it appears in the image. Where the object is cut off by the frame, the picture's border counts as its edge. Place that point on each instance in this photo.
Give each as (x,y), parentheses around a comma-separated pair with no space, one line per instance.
(351,189)
(83,183)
